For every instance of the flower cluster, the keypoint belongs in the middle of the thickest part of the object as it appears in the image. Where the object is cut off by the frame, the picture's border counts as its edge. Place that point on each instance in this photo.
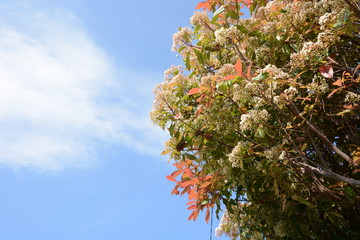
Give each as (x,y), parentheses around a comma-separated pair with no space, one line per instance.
(224,35)
(253,119)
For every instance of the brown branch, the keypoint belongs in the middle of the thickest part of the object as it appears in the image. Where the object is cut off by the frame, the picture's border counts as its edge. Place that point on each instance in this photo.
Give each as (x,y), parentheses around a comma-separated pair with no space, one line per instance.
(326,173)
(323,138)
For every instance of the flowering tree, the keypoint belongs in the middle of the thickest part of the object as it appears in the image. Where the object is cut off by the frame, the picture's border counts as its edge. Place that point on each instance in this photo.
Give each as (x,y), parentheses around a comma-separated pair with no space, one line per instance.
(264,117)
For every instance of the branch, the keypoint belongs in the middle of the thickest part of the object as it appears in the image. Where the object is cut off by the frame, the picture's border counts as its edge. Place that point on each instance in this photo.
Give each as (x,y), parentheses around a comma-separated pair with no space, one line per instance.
(327,173)
(323,137)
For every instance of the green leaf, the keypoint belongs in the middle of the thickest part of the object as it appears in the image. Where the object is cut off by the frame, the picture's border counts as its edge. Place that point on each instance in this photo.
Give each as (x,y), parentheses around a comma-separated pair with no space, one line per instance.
(187,108)
(260,133)
(220,10)
(171,129)
(222,87)
(261,77)
(349,191)
(242,29)
(187,62)
(301,200)
(199,56)
(232,14)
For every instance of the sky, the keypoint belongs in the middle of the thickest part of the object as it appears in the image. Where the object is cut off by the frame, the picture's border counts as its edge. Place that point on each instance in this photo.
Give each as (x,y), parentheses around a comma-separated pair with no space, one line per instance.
(79,157)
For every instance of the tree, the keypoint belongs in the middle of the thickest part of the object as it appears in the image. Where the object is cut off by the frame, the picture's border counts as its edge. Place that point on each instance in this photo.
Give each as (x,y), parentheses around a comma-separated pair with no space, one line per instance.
(264,119)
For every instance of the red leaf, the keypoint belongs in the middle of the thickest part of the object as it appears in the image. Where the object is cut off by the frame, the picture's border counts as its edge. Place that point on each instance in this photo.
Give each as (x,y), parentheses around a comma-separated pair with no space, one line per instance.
(338,82)
(192,207)
(205,184)
(334,91)
(194,91)
(238,67)
(207,216)
(188,172)
(327,71)
(193,194)
(171,178)
(176,173)
(229,77)
(204,5)
(185,184)
(194,215)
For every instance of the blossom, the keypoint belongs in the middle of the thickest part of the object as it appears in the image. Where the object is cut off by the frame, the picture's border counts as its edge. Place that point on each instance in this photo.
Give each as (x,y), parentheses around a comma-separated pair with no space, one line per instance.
(181,37)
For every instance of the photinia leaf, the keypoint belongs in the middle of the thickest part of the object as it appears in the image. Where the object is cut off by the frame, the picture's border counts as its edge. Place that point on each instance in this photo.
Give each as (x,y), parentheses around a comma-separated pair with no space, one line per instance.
(229,77)
(192,207)
(338,82)
(171,178)
(204,5)
(194,91)
(238,67)
(326,71)
(207,216)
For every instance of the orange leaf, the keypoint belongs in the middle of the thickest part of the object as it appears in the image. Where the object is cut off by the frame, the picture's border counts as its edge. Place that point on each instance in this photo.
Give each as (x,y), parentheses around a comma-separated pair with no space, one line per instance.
(194,215)
(207,216)
(338,82)
(185,184)
(229,77)
(192,202)
(238,67)
(188,172)
(205,184)
(176,173)
(327,71)
(175,191)
(195,181)
(204,5)
(171,178)
(334,91)
(194,91)
(192,207)
(193,194)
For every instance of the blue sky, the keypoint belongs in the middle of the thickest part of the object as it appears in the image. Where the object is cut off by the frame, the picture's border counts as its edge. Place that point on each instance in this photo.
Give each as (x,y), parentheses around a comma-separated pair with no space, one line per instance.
(79,157)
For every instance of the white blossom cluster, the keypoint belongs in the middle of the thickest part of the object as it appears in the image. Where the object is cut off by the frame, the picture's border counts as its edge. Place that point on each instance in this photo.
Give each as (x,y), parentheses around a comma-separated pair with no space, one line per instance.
(352,97)
(318,84)
(275,73)
(253,119)
(199,18)
(223,35)
(237,154)
(227,226)
(181,37)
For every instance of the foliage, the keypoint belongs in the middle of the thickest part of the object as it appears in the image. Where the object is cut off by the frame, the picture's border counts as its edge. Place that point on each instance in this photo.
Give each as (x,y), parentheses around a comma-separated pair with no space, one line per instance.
(265,117)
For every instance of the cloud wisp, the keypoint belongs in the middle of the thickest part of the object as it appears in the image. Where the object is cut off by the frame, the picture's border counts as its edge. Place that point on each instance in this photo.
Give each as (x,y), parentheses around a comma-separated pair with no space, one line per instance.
(59,95)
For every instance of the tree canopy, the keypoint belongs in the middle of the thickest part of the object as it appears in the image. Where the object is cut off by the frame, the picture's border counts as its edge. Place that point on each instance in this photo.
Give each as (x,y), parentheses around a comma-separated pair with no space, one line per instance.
(264,117)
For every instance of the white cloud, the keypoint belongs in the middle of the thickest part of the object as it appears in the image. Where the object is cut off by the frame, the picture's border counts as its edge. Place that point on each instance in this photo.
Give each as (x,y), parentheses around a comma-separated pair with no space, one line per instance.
(60,94)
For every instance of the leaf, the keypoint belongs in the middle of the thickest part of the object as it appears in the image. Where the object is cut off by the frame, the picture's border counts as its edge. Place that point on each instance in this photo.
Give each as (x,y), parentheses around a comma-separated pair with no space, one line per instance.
(207,216)
(229,77)
(193,194)
(238,67)
(188,172)
(192,207)
(338,82)
(260,77)
(194,91)
(204,5)
(171,178)
(220,10)
(334,91)
(205,184)
(326,71)
(303,201)
(349,191)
